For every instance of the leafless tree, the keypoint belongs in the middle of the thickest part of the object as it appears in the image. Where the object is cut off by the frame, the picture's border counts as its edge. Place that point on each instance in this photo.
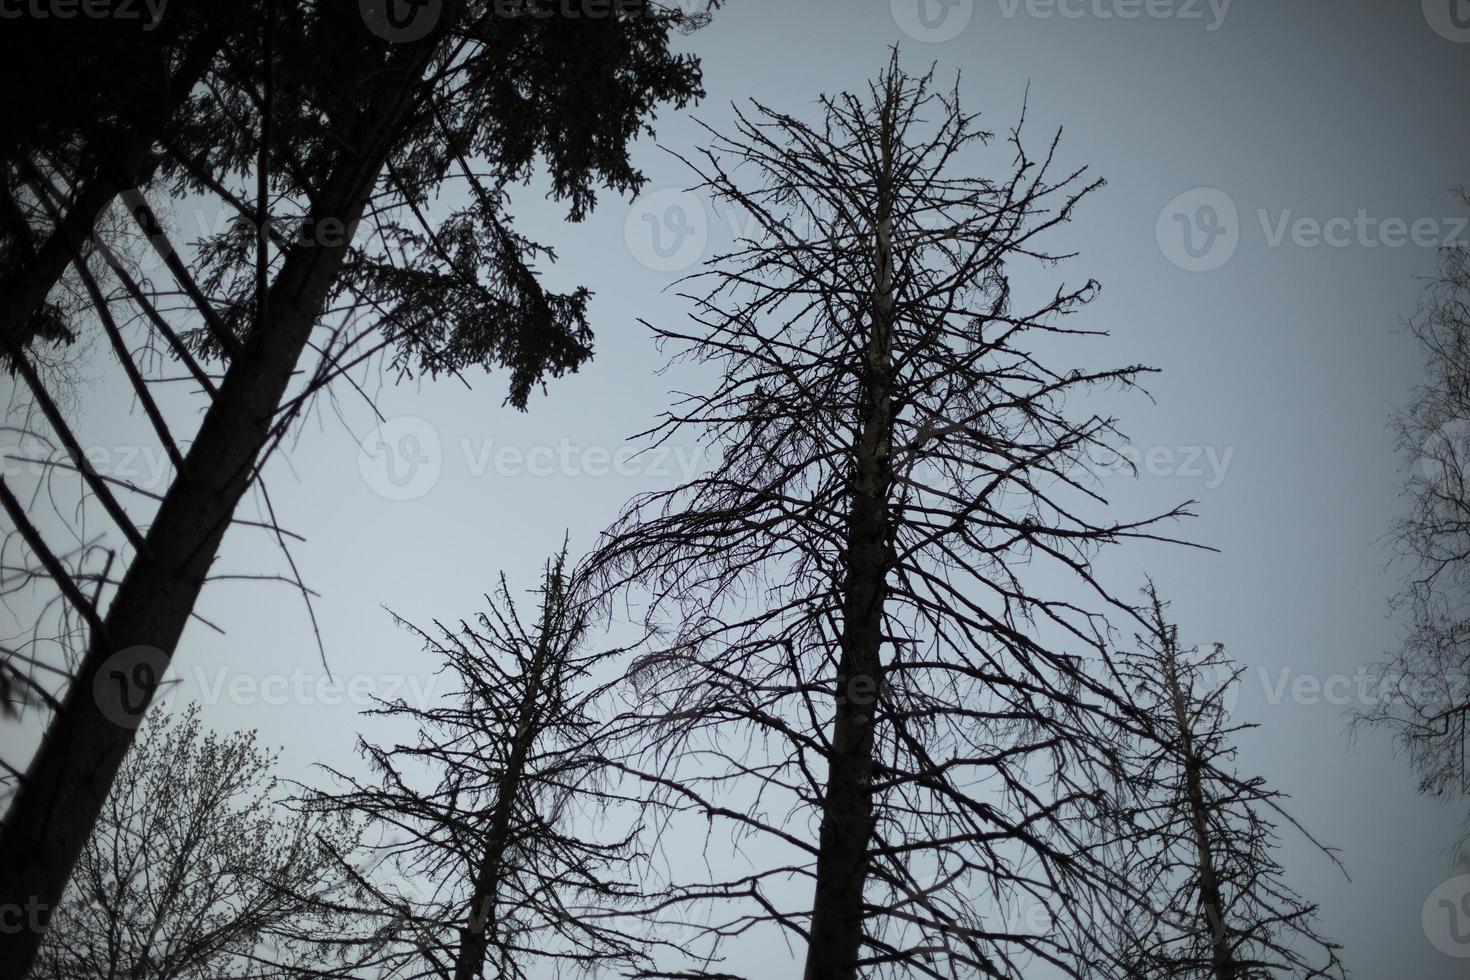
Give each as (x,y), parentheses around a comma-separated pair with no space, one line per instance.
(1422,694)
(882,649)
(1198,841)
(197,870)
(484,820)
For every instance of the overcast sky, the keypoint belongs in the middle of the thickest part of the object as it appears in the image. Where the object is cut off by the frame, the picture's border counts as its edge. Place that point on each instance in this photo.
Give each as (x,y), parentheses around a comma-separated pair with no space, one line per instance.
(1278,174)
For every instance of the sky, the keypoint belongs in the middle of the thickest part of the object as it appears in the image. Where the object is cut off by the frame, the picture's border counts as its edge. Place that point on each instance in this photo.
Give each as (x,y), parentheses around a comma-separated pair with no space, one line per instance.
(1278,176)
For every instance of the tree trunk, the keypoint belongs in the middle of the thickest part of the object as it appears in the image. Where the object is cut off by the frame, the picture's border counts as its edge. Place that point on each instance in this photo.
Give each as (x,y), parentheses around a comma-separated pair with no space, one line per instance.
(1222,960)
(68,780)
(847,808)
(480,914)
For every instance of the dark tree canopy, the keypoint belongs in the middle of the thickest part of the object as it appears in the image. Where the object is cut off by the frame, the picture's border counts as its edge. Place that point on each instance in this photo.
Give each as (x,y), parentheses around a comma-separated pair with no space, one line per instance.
(365,182)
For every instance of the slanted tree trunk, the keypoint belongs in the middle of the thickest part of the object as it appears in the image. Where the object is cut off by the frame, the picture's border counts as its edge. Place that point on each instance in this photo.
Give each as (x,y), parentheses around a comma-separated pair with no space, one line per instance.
(1211,906)
(847,810)
(479,924)
(68,780)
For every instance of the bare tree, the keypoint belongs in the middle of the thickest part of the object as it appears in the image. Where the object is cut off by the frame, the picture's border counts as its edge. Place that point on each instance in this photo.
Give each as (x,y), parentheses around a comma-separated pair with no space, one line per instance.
(867,659)
(1198,840)
(487,813)
(197,870)
(1422,694)
(323,138)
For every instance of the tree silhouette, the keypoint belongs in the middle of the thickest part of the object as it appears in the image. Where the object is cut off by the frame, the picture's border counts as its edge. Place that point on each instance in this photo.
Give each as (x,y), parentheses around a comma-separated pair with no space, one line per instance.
(1422,694)
(1198,840)
(859,661)
(486,810)
(324,142)
(197,871)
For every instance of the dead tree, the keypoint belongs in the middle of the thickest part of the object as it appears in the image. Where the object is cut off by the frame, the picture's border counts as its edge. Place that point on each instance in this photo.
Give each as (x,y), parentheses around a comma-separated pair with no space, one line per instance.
(1422,694)
(1198,839)
(857,662)
(324,143)
(197,870)
(487,810)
